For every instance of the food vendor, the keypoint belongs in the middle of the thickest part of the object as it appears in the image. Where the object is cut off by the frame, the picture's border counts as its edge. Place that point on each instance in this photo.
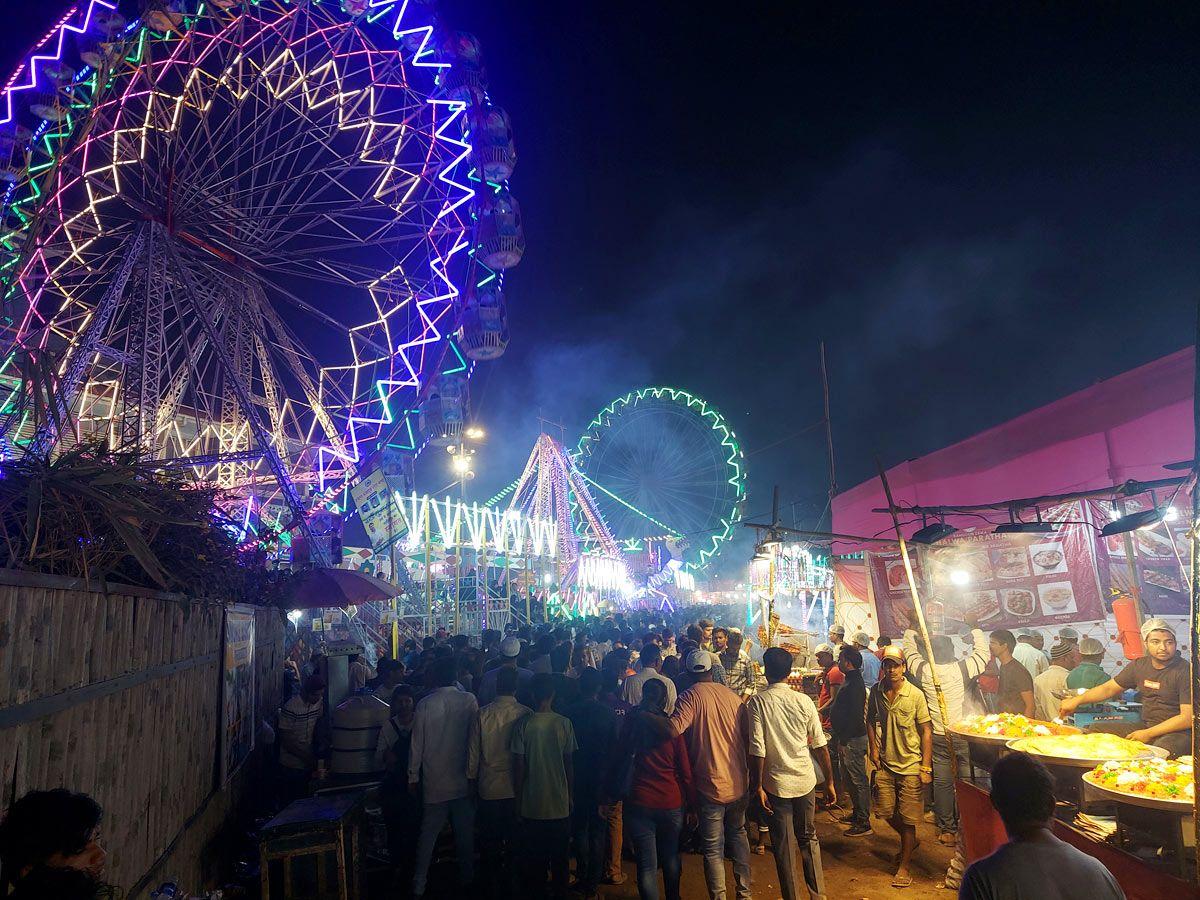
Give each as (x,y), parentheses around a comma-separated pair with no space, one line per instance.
(1015,693)
(1163,678)
(1088,673)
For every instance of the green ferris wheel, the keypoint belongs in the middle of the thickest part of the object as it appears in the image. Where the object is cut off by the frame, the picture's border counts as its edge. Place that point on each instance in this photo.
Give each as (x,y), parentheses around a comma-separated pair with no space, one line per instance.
(664,463)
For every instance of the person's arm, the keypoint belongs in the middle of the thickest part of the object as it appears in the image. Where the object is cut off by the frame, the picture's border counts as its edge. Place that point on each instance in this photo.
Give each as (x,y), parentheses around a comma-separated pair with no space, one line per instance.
(1027,699)
(683,771)
(1106,691)
(926,752)
(980,653)
(516,744)
(518,770)
(758,766)
(826,764)
(678,722)
(872,736)
(416,747)
(474,747)
(916,662)
(1180,722)
(570,745)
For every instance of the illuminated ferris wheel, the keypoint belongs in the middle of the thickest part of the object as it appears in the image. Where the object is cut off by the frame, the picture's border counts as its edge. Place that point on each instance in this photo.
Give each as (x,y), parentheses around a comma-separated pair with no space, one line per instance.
(664,463)
(251,238)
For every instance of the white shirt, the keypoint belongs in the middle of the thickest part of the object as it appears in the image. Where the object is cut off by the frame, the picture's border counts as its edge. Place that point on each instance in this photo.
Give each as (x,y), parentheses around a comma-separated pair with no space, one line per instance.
(784,725)
(441,738)
(632,693)
(949,676)
(1031,658)
(1045,704)
(490,755)
(1039,870)
(389,734)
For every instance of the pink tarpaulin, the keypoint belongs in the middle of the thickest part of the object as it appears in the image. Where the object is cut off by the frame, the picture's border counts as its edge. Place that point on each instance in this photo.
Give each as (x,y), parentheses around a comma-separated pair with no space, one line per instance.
(1121,428)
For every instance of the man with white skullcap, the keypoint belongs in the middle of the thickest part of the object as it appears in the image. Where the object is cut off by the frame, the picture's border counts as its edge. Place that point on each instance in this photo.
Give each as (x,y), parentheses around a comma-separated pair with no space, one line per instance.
(1163,678)
(1088,674)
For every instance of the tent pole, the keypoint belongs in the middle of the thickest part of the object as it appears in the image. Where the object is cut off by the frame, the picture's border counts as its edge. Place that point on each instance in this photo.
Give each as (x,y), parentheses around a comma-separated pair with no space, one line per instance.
(1194,629)
(912,587)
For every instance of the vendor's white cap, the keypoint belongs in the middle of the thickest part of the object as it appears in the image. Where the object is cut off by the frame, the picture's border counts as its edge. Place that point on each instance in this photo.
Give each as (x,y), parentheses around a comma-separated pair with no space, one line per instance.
(1068,634)
(510,648)
(837,629)
(862,639)
(1156,625)
(823,648)
(1091,647)
(699,661)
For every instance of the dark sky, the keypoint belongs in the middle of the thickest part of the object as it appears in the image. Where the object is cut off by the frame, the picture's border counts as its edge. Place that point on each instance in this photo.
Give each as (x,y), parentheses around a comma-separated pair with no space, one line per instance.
(978,210)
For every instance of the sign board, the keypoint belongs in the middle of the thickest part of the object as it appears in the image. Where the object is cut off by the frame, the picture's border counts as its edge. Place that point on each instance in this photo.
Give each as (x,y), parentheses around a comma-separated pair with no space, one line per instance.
(1005,580)
(239,718)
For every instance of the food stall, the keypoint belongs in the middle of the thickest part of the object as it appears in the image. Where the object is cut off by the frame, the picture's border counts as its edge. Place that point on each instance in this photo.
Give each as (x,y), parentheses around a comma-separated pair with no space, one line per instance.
(1119,800)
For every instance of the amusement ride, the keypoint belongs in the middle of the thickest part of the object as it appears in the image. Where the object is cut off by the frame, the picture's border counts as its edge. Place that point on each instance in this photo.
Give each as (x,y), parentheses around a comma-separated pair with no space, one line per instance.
(255,241)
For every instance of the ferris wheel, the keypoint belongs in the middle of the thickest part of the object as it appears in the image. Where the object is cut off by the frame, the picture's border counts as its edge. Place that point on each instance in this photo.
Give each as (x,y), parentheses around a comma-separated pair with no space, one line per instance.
(664,463)
(253,237)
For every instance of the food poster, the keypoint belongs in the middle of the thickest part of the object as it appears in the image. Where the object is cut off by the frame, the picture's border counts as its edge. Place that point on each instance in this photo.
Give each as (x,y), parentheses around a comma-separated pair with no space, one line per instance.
(1160,555)
(1004,580)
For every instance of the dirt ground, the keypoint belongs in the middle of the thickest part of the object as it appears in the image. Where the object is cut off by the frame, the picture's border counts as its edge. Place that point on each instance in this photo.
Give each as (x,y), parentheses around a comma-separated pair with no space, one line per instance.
(855,868)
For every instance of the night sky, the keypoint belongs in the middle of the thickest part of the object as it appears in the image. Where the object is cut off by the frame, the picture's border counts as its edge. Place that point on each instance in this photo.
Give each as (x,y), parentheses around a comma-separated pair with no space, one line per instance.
(977,210)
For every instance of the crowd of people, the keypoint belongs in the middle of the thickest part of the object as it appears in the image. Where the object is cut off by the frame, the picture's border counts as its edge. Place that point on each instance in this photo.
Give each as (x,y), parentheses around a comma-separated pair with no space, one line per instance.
(579,739)
(544,746)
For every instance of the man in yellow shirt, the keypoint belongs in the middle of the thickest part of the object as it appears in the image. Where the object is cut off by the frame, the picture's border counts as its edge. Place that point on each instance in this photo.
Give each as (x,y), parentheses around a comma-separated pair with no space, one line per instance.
(901,751)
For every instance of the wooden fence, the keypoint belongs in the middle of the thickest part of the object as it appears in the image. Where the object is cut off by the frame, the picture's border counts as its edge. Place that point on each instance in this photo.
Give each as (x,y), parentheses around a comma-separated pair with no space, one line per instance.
(117,693)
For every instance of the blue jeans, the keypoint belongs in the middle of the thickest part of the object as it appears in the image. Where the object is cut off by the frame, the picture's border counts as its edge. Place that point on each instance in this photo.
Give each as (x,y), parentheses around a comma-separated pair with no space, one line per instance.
(461,813)
(654,834)
(854,765)
(945,809)
(724,824)
(792,829)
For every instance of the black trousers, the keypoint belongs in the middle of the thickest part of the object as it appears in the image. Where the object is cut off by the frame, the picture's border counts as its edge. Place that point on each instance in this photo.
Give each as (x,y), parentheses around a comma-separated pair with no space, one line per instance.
(497,821)
(546,845)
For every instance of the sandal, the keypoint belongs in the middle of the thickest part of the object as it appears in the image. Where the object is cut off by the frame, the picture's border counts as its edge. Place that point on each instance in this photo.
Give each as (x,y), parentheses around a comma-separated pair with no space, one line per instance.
(902,881)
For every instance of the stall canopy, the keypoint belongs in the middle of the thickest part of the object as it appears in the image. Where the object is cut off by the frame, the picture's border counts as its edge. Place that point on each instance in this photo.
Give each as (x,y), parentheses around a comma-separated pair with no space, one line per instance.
(1118,429)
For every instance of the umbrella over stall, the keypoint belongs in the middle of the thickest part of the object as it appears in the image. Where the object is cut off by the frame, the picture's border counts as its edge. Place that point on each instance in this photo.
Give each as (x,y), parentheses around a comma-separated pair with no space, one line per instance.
(319,588)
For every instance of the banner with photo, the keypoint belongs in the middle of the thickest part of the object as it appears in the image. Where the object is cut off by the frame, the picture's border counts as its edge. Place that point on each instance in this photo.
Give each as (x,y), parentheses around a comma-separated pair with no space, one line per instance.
(1002,580)
(1160,556)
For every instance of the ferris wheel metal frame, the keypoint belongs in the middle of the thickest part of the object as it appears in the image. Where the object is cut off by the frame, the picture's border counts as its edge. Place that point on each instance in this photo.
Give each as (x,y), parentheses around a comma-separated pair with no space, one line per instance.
(725,515)
(153,279)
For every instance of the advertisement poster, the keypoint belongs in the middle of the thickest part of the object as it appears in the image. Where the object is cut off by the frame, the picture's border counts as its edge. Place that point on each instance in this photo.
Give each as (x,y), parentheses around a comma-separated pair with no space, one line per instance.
(1160,555)
(374,496)
(1003,580)
(238,718)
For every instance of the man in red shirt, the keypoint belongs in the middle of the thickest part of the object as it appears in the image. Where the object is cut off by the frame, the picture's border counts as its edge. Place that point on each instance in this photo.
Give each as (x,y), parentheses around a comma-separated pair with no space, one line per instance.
(828,684)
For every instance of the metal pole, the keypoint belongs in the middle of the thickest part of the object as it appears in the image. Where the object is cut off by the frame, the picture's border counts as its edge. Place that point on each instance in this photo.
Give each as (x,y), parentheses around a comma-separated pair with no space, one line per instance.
(428,580)
(1194,637)
(1135,579)
(916,598)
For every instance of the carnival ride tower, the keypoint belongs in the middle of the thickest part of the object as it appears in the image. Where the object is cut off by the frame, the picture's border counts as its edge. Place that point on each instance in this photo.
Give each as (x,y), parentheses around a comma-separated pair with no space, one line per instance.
(551,489)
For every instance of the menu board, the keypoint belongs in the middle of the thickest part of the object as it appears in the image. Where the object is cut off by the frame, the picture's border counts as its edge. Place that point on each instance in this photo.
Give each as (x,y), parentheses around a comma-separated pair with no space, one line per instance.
(1002,580)
(1160,555)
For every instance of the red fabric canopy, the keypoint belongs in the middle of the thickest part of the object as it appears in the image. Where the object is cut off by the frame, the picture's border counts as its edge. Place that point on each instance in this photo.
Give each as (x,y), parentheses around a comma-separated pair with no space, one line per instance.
(1124,427)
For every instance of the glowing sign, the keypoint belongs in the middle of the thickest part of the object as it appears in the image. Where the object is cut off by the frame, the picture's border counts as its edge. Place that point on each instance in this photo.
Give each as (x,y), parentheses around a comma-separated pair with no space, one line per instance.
(604,573)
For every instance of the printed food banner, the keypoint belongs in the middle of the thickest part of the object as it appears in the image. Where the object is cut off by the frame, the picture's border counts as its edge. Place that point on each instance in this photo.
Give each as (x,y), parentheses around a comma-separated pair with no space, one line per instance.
(1004,580)
(1160,555)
